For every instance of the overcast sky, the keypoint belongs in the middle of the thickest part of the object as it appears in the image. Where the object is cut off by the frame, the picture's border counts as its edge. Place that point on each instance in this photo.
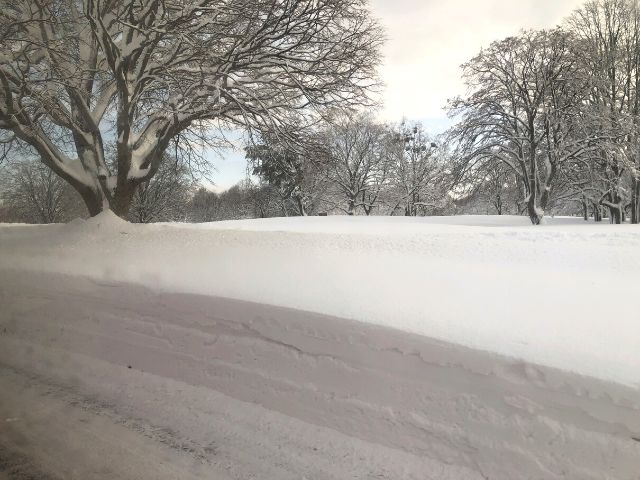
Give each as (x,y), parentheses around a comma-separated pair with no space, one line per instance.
(427,42)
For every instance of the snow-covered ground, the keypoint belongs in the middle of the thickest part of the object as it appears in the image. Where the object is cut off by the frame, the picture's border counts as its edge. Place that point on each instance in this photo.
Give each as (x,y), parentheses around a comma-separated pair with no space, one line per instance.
(562,295)
(320,348)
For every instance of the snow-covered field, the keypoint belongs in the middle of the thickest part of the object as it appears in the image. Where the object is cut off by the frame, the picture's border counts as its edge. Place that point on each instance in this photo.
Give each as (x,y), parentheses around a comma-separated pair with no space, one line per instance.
(562,295)
(325,347)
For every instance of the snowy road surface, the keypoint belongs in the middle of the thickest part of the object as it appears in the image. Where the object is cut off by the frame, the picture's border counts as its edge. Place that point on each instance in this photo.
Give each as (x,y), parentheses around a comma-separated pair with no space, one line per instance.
(108,380)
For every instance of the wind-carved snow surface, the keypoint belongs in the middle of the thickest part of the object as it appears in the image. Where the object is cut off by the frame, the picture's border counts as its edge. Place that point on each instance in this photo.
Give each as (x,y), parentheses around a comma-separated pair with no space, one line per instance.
(102,378)
(562,294)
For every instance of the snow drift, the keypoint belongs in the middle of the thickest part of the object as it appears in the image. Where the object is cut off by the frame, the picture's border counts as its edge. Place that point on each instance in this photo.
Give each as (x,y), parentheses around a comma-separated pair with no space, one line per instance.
(562,295)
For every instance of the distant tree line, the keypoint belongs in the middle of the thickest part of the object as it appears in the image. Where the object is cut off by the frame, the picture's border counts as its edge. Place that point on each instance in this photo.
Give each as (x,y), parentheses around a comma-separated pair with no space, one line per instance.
(354,165)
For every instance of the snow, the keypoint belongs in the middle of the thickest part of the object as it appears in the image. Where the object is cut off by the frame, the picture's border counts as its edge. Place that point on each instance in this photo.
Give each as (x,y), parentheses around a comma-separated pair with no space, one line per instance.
(559,295)
(111,380)
(201,371)
(107,220)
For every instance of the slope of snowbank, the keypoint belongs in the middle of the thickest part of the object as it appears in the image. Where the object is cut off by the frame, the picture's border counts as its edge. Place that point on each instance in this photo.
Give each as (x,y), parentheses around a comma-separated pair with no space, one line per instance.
(562,295)
(102,381)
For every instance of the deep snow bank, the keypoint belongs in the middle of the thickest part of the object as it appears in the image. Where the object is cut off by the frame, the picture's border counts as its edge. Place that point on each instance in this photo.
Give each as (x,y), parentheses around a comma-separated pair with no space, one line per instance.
(563,294)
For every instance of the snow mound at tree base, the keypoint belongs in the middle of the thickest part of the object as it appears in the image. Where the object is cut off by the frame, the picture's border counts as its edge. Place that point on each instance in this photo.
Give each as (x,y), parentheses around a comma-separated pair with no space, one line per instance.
(105,220)
(560,295)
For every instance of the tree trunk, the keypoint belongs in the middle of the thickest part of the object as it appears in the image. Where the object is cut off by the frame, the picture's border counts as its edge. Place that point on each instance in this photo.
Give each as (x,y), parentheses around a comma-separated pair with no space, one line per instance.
(122,199)
(597,212)
(635,200)
(532,201)
(615,214)
(92,199)
(614,205)
(301,208)
(366,207)
(545,197)
(351,207)
(533,211)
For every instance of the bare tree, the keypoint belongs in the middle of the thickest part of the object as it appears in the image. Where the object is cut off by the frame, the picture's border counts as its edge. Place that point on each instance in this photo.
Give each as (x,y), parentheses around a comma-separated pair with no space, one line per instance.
(265,200)
(357,162)
(524,112)
(205,206)
(164,197)
(33,193)
(497,189)
(416,173)
(78,74)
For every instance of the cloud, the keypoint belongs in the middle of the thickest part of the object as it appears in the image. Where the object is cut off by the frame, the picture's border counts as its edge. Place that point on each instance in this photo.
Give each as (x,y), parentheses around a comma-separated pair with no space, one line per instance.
(428,40)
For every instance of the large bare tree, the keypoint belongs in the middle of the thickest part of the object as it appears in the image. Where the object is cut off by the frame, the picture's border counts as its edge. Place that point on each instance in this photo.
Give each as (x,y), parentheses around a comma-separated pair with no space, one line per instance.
(77,75)
(524,111)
